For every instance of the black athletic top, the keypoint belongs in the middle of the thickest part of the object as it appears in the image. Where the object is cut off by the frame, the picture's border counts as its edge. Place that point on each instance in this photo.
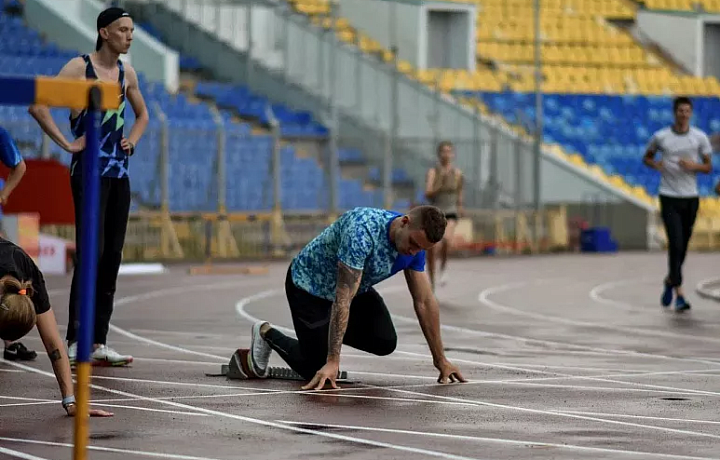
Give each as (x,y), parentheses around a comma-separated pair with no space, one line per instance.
(14,261)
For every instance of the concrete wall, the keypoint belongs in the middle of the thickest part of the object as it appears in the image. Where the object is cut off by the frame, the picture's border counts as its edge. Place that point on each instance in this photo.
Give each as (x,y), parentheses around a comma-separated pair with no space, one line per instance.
(632,228)
(679,34)
(376,22)
(72,24)
(229,23)
(411,28)
(711,49)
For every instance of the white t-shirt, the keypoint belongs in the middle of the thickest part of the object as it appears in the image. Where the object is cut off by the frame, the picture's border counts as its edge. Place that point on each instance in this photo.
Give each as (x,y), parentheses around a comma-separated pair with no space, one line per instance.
(675,181)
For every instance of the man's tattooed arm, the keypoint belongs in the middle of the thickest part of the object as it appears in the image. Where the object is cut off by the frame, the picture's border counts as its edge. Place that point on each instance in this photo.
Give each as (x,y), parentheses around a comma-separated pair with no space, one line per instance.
(348,281)
(55,355)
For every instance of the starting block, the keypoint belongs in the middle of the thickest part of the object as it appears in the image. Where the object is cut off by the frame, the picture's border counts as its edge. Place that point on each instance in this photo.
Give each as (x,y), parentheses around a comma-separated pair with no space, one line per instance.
(239,369)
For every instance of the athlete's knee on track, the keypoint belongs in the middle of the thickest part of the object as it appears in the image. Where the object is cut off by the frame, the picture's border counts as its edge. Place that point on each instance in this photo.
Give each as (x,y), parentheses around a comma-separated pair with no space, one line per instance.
(385,346)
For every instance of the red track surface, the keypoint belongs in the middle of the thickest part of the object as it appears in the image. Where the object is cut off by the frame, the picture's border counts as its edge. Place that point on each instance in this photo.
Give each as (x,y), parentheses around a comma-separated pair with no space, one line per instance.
(568,357)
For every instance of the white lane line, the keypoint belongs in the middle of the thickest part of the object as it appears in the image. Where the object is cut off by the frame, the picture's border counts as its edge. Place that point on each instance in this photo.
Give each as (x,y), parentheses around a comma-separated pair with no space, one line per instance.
(242,303)
(184,384)
(149,409)
(108,449)
(525,444)
(261,295)
(603,378)
(562,375)
(190,334)
(594,294)
(16,371)
(36,403)
(346,394)
(602,389)
(266,423)
(19,398)
(267,293)
(703,291)
(455,353)
(548,412)
(120,331)
(240,308)
(189,346)
(143,359)
(417,393)
(99,404)
(173,291)
(187,397)
(572,322)
(483,298)
(388,398)
(16,454)
(643,417)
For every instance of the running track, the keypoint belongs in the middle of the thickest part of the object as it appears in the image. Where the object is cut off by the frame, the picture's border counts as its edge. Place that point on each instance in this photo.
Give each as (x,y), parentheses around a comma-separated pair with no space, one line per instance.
(568,357)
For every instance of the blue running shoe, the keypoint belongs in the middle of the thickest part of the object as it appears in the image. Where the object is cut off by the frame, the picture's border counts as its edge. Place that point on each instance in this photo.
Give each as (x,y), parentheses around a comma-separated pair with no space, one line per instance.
(681,304)
(667,296)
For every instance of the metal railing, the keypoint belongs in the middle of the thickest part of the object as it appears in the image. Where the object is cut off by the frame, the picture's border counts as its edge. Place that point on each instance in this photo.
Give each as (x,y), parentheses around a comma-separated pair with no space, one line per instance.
(356,95)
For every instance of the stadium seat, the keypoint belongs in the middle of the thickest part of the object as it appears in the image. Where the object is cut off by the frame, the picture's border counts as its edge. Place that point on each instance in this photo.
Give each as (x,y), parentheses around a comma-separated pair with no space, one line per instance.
(193,139)
(608,131)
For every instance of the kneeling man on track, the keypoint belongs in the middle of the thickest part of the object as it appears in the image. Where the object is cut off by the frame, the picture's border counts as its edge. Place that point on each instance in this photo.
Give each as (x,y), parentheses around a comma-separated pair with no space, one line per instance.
(329,287)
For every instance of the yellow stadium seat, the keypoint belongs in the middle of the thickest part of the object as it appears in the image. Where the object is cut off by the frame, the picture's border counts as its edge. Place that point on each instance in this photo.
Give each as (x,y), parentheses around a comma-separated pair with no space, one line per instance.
(347,36)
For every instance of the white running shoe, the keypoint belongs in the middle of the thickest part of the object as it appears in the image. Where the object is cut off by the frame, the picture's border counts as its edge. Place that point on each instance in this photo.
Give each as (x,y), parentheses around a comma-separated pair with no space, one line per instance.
(72,353)
(105,356)
(443,278)
(259,351)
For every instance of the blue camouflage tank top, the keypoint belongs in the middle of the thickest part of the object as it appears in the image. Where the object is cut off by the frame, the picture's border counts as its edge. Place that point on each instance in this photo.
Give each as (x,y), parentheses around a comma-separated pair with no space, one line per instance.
(113,160)
(360,238)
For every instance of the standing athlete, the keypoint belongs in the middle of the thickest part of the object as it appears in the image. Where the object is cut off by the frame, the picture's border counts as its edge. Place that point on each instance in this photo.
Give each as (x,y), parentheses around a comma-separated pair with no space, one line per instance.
(685,151)
(115,30)
(11,158)
(329,287)
(443,189)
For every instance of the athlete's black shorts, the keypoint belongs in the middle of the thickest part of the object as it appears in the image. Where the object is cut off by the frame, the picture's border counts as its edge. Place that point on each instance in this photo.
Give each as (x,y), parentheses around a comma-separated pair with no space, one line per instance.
(451,216)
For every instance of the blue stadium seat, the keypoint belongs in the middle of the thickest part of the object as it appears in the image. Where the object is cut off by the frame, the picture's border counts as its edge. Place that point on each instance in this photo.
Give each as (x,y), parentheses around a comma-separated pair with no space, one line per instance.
(252,106)
(605,128)
(193,140)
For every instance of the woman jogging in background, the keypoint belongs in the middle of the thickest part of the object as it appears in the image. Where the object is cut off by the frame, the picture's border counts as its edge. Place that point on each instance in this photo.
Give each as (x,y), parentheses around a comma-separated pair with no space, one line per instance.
(443,189)
(11,158)
(24,304)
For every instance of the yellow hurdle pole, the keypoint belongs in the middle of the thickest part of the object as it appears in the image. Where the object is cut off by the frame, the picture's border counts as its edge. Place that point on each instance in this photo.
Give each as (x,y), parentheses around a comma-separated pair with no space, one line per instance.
(82,414)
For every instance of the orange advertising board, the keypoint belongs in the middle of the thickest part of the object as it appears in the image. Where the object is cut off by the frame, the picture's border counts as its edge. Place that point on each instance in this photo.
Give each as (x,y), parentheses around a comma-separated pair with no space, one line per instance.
(28,234)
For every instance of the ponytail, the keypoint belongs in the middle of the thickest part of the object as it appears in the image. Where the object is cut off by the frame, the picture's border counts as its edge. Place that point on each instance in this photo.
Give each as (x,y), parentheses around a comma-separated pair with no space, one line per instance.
(17,311)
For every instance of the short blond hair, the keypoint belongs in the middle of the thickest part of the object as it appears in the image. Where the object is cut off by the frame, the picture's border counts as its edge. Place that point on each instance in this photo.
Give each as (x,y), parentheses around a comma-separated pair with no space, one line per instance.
(17,311)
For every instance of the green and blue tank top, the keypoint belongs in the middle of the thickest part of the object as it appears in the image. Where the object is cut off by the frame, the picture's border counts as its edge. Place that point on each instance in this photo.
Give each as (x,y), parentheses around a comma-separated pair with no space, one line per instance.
(113,159)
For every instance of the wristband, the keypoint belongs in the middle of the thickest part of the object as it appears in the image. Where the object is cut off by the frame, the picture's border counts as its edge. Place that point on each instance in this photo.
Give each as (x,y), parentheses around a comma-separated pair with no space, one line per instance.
(68,400)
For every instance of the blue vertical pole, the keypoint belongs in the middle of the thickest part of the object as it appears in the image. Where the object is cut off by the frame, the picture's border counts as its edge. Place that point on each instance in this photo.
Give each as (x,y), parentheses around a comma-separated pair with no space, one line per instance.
(88,268)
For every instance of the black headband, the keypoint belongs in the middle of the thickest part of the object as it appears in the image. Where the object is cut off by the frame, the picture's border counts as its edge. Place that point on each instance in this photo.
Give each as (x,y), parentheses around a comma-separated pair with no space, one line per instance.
(106,18)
